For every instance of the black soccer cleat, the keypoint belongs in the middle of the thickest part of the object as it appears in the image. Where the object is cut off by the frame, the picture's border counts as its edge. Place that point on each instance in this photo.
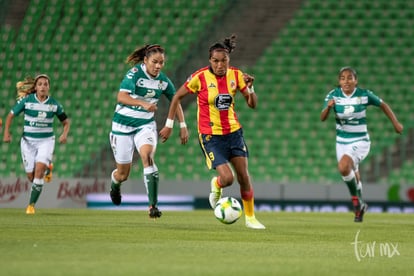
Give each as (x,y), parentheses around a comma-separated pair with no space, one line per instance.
(116,196)
(154,212)
(359,213)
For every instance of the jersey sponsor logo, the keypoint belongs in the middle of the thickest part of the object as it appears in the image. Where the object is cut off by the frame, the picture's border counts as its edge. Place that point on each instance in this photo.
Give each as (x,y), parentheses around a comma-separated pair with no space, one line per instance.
(151,84)
(41,115)
(150,94)
(349,109)
(223,101)
(38,124)
(41,107)
(351,101)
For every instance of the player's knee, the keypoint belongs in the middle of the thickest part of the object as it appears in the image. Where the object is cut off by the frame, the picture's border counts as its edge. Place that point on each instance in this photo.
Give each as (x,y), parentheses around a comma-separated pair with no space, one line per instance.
(344,168)
(121,176)
(30,177)
(226,180)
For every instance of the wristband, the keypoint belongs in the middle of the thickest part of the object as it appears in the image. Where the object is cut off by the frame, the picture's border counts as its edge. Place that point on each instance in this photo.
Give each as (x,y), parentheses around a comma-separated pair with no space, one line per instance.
(169,123)
(183,125)
(250,89)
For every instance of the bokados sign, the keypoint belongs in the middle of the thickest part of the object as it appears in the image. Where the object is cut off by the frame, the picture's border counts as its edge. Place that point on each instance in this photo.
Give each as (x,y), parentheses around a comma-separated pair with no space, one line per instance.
(71,193)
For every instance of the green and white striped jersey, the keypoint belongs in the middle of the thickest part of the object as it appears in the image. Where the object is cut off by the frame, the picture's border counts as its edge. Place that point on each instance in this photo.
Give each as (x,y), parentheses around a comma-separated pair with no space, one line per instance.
(129,119)
(350,113)
(38,116)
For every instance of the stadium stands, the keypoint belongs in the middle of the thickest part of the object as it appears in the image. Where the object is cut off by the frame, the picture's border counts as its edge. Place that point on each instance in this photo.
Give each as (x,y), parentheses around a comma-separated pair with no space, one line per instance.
(84,55)
(82,46)
(301,67)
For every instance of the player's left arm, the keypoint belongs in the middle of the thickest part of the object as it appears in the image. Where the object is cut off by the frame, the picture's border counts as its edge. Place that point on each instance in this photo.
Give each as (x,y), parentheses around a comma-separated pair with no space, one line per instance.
(63,138)
(390,114)
(175,106)
(248,92)
(170,92)
(183,125)
(6,134)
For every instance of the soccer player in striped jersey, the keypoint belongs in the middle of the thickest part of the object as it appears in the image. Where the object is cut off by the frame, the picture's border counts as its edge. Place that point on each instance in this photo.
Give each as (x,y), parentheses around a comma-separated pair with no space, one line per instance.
(133,123)
(349,103)
(38,141)
(220,132)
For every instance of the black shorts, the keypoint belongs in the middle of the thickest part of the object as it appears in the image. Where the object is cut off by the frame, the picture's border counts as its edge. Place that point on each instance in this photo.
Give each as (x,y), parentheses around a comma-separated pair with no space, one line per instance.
(219,149)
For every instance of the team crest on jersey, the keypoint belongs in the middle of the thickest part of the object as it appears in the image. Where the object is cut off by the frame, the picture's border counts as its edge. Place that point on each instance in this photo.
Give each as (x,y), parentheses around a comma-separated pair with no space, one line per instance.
(233,84)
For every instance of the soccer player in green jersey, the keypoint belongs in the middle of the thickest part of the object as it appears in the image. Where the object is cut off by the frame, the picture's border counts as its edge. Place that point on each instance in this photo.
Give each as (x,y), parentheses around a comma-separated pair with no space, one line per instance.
(133,123)
(38,140)
(349,103)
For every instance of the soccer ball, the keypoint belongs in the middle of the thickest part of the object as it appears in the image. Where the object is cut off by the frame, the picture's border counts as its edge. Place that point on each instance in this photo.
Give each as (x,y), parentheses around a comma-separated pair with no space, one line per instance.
(228,210)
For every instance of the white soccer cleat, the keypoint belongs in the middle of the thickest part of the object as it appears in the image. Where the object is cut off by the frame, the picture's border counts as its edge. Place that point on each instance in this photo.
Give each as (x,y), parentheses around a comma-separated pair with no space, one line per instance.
(252,222)
(215,193)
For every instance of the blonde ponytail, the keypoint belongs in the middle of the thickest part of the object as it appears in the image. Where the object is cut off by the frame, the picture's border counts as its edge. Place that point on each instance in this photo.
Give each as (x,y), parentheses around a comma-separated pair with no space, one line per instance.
(25,87)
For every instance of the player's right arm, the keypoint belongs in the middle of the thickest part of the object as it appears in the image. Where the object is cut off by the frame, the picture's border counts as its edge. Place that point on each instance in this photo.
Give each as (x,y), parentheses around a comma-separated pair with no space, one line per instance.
(7,136)
(328,104)
(127,87)
(125,98)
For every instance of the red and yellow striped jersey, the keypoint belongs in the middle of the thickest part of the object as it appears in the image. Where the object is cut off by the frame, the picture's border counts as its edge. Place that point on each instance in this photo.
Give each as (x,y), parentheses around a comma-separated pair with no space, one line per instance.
(215,100)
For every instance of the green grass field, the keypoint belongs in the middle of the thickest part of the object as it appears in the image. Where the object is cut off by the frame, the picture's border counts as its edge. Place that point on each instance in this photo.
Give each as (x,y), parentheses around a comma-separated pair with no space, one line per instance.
(94,242)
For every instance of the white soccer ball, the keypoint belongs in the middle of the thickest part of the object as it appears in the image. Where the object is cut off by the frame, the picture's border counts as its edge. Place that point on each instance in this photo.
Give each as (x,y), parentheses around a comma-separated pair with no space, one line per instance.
(228,210)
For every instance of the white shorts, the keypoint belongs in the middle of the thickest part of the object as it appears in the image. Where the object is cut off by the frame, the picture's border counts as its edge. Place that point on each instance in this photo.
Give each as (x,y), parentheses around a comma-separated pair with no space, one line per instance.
(358,151)
(36,150)
(123,145)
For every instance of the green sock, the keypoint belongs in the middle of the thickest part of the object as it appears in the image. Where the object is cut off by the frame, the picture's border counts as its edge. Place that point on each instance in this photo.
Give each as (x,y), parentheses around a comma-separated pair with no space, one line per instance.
(151,183)
(350,181)
(115,186)
(35,193)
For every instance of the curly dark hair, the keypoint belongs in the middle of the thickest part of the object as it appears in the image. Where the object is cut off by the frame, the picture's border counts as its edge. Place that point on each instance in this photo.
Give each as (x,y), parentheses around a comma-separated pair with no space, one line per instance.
(227,45)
